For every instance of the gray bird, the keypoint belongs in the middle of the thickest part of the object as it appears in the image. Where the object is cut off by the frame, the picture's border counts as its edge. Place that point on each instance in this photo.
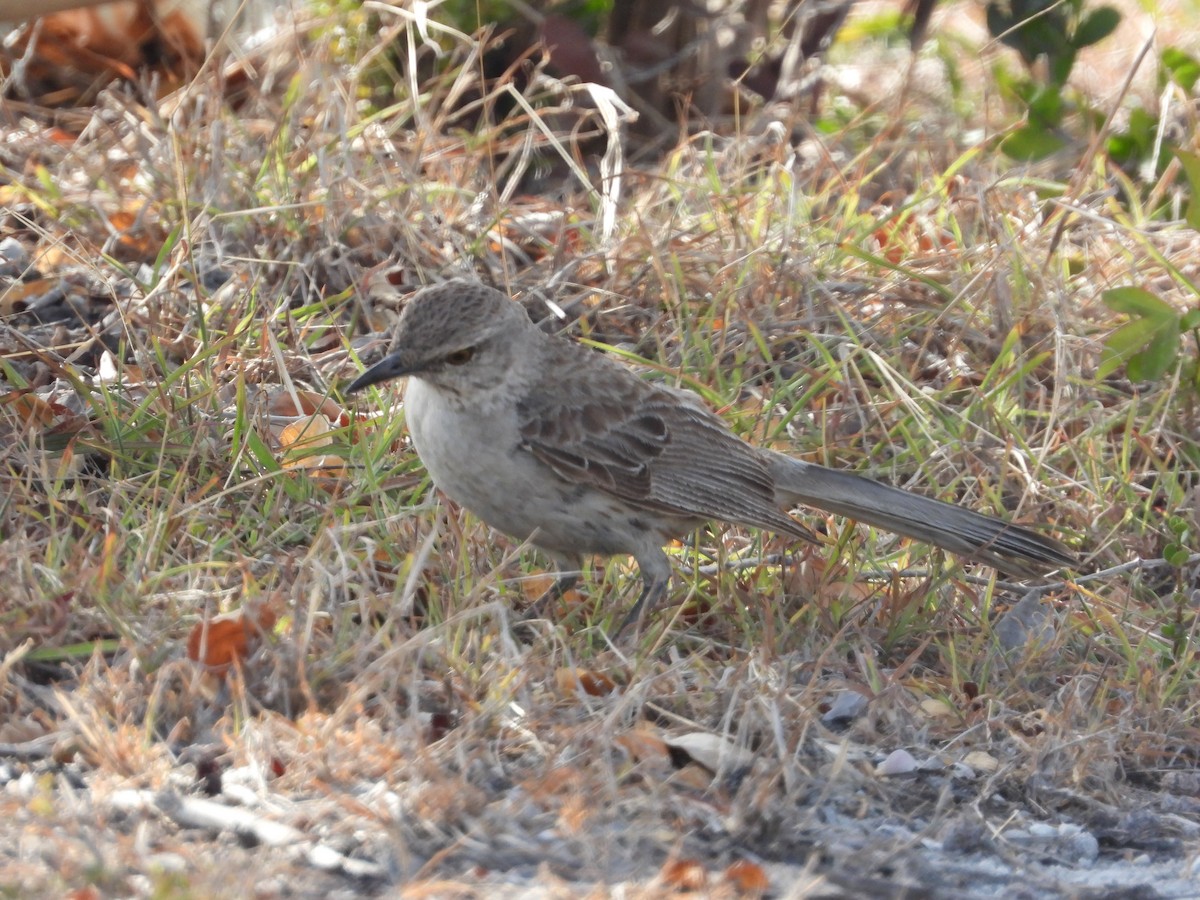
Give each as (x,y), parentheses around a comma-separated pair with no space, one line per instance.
(553,443)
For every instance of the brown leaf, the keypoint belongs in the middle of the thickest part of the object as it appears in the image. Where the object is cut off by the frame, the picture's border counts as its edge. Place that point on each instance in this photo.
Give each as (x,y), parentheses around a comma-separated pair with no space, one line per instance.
(571,681)
(826,581)
(693,777)
(305,434)
(32,409)
(66,54)
(535,586)
(229,638)
(15,297)
(644,745)
(315,418)
(138,231)
(684,874)
(747,877)
(306,403)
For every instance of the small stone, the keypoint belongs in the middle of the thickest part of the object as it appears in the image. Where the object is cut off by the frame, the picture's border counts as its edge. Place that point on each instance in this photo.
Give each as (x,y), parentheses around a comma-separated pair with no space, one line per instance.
(846,707)
(898,762)
(13,257)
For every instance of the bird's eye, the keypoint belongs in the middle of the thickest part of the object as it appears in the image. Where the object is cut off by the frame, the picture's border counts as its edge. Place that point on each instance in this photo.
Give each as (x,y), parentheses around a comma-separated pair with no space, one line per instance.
(458,357)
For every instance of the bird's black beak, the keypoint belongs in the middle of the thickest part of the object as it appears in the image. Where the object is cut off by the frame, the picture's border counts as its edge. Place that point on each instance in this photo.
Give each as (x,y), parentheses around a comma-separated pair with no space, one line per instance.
(391,366)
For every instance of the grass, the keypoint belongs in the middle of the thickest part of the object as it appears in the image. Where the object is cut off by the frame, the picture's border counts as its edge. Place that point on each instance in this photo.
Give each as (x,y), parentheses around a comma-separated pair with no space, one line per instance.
(888,297)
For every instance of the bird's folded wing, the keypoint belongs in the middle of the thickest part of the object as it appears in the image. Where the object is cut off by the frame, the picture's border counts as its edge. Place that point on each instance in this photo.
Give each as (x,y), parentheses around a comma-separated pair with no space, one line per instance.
(653,448)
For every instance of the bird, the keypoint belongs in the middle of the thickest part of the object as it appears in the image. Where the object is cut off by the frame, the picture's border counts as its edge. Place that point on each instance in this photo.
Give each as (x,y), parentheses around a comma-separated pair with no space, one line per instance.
(559,445)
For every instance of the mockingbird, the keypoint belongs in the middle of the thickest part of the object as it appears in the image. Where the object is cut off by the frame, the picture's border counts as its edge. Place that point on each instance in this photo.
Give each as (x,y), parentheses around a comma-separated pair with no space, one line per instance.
(553,443)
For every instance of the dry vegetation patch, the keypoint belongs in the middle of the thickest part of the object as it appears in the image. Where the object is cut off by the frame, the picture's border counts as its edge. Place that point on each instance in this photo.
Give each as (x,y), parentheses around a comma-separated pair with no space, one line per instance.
(241,641)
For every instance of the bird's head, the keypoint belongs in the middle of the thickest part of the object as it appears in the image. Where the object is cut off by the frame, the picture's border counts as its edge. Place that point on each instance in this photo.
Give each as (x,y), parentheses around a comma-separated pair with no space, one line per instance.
(451,334)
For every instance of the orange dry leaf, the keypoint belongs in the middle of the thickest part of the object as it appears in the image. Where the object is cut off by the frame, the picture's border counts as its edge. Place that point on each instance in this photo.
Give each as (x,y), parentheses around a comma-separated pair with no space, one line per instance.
(571,681)
(941,241)
(306,403)
(693,777)
(644,745)
(559,781)
(684,874)
(55,256)
(305,434)
(31,409)
(15,298)
(535,586)
(229,638)
(68,54)
(747,877)
(315,417)
(138,232)
(892,251)
(299,439)
(575,811)
(898,240)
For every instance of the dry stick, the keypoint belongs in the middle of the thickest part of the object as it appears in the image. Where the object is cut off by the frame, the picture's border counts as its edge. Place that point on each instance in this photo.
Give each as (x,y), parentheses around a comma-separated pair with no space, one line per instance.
(1065,203)
(1133,564)
(194,812)
(38,748)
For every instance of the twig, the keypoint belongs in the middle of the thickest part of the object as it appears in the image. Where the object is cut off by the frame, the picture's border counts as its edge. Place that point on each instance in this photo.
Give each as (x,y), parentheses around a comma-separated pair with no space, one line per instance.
(1134,564)
(38,748)
(193,812)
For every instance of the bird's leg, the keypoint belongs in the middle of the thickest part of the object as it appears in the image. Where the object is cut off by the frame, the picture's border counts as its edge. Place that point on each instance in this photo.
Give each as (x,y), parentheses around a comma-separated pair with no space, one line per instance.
(656,578)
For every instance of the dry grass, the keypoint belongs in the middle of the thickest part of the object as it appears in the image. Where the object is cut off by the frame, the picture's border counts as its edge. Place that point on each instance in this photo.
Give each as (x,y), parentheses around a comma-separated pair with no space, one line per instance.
(889,297)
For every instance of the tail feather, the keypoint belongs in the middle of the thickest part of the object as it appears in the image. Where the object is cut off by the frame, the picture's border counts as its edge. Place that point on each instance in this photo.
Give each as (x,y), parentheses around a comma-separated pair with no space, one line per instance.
(1009,548)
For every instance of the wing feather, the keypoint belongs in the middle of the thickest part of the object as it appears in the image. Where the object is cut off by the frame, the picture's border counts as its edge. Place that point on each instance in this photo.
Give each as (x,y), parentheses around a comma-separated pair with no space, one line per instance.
(657,449)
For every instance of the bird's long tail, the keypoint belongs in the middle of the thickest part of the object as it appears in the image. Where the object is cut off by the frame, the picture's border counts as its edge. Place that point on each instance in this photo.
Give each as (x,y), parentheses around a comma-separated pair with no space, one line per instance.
(1009,548)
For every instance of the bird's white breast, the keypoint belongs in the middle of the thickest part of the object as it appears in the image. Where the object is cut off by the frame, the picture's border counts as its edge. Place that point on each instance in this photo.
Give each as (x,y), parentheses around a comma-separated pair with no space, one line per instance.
(474,454)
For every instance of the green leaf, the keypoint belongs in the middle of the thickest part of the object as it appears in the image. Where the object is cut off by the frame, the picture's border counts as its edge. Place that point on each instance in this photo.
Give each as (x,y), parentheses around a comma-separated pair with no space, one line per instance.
(1062,61)
(1190,321)
(1184,69)
(1031,143)
(1096,26)
(261,453)
(1032,30)
(1176,555)
(74,652)
(1148,345)
(1123,344)
(1136,142)
(1158,357)
(1046,106)
(1191,168)
(1122,148)
(1045,36)
(1136,301)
